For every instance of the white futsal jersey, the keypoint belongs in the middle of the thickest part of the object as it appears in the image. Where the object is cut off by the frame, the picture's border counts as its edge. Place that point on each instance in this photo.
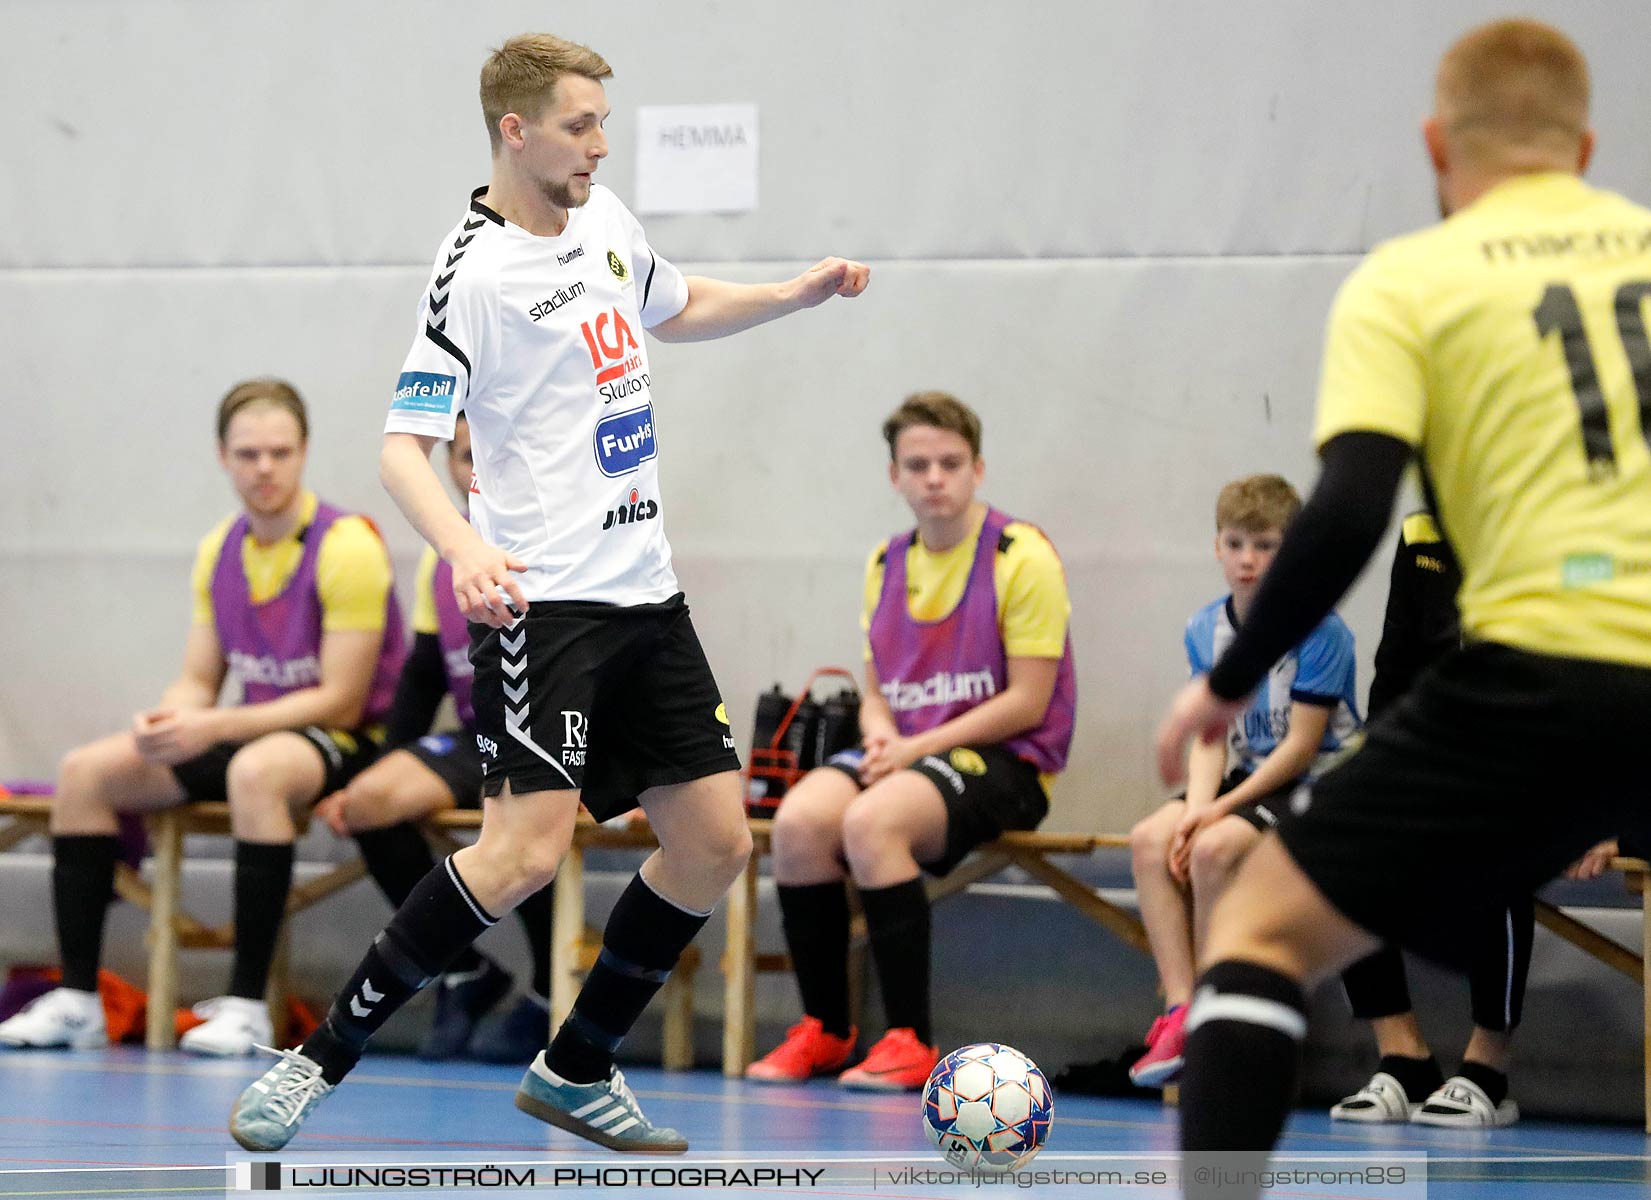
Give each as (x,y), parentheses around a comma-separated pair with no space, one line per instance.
(539,341)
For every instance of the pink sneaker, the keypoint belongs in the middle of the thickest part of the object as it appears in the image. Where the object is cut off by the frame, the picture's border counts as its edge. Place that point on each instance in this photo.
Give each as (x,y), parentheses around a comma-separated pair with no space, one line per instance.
(807,1050)
(897,1063)
(1166,1045)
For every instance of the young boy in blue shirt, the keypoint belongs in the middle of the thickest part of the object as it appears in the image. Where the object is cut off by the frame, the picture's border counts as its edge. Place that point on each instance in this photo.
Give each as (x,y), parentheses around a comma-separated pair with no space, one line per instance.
(1184,853)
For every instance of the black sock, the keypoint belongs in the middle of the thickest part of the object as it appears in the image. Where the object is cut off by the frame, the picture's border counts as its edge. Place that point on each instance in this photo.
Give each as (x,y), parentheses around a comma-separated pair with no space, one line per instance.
(397,857)
(897,922)
(815,918)
(83,880)
(644,937)
(534,914)
(263,877)
(1420,1077)
(1491,1081)
(1244,1034)
(438,921)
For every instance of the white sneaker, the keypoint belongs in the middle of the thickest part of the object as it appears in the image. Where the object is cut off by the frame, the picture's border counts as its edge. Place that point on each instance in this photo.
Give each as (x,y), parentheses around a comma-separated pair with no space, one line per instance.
(234,1026)
(1462,1104)
(1382,1101)
(60,1017)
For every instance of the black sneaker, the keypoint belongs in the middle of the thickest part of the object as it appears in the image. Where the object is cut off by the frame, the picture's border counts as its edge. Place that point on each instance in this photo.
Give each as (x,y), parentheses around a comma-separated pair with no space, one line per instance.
(515,1035)
(461,1001)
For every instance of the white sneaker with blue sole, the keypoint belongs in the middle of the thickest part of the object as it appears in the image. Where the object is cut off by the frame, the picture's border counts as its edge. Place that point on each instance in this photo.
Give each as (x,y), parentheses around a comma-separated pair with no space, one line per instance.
(604,1112)
(270,1111)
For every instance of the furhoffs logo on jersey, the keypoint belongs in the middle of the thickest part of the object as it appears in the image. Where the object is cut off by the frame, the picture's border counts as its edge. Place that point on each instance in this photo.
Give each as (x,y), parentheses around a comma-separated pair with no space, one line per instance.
(615,356)
(631,510)
(624,441)
(551,303)
(424,391)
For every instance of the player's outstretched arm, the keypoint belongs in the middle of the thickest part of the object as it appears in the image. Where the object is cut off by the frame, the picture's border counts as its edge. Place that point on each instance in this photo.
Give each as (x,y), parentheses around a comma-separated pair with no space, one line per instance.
(717,308)
(482,580)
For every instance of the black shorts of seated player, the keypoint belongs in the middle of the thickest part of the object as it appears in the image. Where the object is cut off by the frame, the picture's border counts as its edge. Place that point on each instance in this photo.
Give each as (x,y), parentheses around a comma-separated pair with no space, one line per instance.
(605,699)
(455,759)
(986,790)
(1263,812)
(1487,773)
(344,755)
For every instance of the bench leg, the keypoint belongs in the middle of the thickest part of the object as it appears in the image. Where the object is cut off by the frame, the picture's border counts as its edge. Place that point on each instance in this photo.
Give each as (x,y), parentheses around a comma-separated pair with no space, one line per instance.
(567,936)
(1645,983)
(280,984)
(739,995)
(166,833)
(679,1015)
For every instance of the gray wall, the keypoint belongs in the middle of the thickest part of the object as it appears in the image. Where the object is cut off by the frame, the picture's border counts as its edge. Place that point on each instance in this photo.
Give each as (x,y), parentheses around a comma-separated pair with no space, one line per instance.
(1112,227)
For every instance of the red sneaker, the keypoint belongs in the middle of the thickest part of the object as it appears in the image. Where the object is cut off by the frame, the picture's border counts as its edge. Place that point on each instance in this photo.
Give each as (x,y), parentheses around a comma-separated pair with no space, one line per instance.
(897,1063)
(807,1050)
(1166,1045)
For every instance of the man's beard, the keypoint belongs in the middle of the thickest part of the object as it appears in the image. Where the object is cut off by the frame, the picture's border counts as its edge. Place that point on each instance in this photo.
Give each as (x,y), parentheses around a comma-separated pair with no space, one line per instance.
(562,195)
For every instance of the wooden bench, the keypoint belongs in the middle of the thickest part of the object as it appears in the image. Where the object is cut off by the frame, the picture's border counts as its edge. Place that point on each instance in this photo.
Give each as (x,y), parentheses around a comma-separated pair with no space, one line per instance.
(1636,872)
(170,927)
(574,950)
(576,944)
(1031,851)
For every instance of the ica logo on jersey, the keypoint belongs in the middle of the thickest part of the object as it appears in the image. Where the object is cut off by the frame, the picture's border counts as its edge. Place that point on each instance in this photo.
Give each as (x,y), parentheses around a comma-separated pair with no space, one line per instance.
(632,509)
(624,441)
(615,356)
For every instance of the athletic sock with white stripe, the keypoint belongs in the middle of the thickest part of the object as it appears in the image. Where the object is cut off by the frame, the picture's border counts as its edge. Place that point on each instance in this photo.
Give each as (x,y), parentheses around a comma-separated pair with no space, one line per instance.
(1244,1034)
(645,935)
(435,924)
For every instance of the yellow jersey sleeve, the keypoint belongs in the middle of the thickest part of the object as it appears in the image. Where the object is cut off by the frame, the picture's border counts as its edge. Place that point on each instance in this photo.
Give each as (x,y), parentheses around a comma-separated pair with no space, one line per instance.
(874,592)
(353,577)
(425,619)
(1032,601)
(200,575)
(1374,378)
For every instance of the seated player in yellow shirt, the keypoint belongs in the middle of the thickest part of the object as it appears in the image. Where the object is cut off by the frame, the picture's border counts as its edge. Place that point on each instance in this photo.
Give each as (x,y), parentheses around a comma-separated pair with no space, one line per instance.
(294,598)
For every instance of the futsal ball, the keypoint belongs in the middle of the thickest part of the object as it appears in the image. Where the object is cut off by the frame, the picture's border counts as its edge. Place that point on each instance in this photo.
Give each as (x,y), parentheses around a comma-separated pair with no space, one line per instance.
(988,1108)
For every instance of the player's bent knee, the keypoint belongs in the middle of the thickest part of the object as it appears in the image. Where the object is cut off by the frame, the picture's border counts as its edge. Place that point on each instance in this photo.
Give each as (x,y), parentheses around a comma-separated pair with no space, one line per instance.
(80,778)
(1217,852)
(367,805)
(1150,837)
(868,831)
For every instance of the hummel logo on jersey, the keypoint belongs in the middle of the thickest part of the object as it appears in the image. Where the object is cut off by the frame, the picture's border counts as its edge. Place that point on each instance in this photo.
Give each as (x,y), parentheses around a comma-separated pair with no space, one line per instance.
(563,296)
(575,725)
(424,391)
(636,510)
(563,260)
(624,441)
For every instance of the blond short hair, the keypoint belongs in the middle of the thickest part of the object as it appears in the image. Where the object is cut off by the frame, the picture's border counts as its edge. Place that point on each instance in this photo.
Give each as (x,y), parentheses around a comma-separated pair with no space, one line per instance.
(1256,503)
(941,410)
(520,76)
(262,393)
(1514,88)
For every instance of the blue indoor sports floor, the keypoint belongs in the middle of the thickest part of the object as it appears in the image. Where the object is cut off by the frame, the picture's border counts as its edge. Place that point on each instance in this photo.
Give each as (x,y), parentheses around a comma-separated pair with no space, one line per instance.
(109,1124)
